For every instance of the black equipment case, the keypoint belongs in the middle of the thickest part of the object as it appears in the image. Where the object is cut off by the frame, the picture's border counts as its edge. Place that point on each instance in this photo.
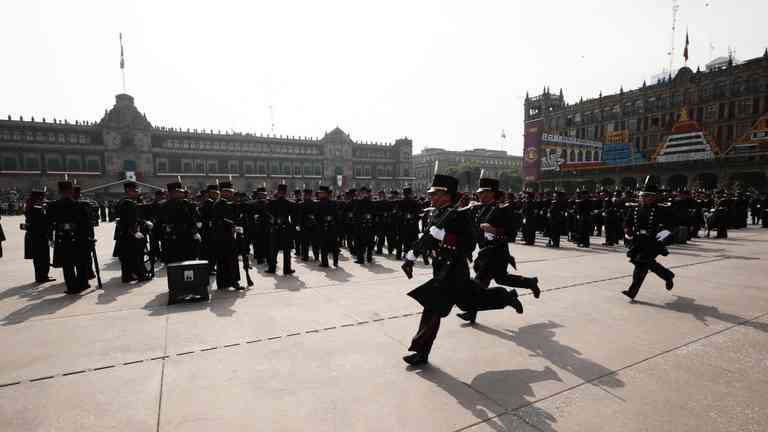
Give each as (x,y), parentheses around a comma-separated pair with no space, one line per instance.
(188,280)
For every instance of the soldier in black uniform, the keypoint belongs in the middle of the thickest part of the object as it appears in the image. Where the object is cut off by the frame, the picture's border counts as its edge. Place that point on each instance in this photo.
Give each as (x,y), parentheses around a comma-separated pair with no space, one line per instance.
(72,245)
(206,231)
(131,241)
(583,212)
(364,227)
(226,227)
(180,230)
(152,214)
(348,220)
(764,210)
(645,227)
(328,223)
(556,218)
(408,211)
(381,215)
(449,238)
(38,236)
(529,213)
(490,222)
(282,229)
(307,226)
(259,229)
(612,220)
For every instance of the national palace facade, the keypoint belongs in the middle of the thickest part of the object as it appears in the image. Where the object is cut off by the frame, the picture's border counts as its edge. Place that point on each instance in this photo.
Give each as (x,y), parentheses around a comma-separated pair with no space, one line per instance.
(124,144)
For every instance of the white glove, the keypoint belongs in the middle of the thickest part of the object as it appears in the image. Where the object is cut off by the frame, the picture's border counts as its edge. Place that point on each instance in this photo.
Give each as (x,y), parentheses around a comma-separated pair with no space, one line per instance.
(149,225)
(239,230)
(50,243)
(139,235)
(410,256)
(199,224)
(437,233)
(489,236)
(197,237)
(298,228)
(662,235)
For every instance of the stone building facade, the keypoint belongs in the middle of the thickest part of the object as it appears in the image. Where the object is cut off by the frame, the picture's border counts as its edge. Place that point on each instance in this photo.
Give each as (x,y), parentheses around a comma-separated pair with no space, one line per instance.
(494,162)
(125,144)
(611,137)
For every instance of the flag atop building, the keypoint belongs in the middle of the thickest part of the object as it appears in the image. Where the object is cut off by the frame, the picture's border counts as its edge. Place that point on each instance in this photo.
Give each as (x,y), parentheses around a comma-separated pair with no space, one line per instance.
(122,57)
(687,42)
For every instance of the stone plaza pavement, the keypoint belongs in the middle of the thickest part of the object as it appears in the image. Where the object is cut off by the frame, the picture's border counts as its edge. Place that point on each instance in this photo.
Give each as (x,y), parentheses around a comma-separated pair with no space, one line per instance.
(321,351)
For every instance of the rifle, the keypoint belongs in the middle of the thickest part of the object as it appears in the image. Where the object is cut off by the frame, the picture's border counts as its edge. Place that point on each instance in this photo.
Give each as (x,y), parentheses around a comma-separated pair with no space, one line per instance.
(247,267)
(96,264)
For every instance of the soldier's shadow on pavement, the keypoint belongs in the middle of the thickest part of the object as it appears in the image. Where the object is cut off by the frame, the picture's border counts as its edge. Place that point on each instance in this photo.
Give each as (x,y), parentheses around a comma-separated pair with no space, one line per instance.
(44,303)
(337,274)
(290,283)
(539,340)
(377,268)
(703,313)
(509,390)
(114,288)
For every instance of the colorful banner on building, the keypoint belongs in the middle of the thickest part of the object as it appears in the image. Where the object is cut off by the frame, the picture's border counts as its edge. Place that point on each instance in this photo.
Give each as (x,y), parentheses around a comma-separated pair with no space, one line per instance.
(753,142)
(531,149)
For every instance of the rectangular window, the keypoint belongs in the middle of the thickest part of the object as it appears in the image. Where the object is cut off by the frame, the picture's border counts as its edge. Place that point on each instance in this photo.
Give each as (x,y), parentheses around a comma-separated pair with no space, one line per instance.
(213,166)
(248,167)
(162,165)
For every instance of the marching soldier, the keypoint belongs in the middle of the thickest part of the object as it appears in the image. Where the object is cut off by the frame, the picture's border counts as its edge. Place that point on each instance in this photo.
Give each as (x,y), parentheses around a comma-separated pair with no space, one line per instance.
(37,237)
(131,239)
(612,220)
(364,227)
(328,222)
(449,239)
(71,227)
(644,227)
(226,228)
(282,228)
(382,215)
(180,230)
(152,214)
(348,220)
(394,220)
(489,223)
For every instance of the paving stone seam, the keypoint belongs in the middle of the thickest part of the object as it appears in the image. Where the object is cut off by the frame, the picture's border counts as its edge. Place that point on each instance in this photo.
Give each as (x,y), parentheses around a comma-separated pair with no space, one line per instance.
(305,332)
(594,380)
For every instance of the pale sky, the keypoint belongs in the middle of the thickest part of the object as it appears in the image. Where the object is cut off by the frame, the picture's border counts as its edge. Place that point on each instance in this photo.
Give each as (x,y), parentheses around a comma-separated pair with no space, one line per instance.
(448,74)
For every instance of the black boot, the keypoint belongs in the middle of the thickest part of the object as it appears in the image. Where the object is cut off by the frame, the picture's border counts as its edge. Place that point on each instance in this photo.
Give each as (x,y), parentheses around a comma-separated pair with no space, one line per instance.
(535,288)
(629,295)
(514,302)
(670,283)
(470,316)
(416,359)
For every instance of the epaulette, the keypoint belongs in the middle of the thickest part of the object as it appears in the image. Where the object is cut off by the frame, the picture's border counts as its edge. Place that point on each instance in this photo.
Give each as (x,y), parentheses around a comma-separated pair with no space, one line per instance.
(632,204)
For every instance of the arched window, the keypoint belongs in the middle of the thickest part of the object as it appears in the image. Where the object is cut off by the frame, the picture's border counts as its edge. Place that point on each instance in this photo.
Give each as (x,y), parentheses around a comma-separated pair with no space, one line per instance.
(588,156)
(580,156)
(564,154)
(573,156)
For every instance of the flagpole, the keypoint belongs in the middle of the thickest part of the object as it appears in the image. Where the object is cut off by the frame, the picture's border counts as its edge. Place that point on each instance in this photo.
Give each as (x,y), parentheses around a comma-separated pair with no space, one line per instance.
(122,63)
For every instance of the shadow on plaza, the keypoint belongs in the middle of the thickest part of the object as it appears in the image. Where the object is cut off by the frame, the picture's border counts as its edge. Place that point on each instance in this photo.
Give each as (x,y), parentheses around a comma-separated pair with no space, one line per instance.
(48,299)
(515,386)
(703,313)
(539,340)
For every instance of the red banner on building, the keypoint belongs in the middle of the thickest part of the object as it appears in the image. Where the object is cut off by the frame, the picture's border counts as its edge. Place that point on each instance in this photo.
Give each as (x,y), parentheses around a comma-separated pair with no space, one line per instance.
(531,149)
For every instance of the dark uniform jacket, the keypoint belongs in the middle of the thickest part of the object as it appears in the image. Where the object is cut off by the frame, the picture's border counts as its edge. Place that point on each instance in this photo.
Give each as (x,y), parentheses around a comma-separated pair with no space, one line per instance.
(71,227)
(37,230)
(643,223)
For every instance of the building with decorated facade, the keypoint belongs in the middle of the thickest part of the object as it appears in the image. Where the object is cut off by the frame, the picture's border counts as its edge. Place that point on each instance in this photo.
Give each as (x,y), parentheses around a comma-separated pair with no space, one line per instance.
(124,144)
(696,129)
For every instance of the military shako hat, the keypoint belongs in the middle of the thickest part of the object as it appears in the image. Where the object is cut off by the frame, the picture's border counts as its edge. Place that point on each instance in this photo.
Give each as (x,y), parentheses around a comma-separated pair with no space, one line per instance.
(394,192)
(365,189)
(325,189)
(488,185)
(282,188)
(65,186)
(407,191)
(126,186)
(212,187)
(226,185)
(307,191)
(649,188)
(444,183)
(175,186)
